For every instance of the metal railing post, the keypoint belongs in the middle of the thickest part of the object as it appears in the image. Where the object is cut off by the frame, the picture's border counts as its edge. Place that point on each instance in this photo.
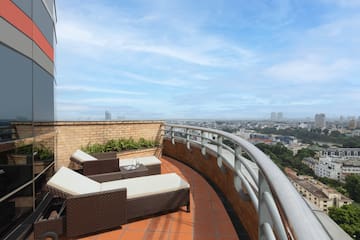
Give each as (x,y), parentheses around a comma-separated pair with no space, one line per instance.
(237,179)
(219,150)
(188,138)
(172,134)
(203,142)
(269,216)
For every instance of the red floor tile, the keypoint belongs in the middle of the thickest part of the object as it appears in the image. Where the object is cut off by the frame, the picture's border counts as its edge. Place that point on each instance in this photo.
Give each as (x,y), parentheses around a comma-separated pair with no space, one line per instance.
(141,225)
(180,236)
(115,234)
(159,224)
(156,236)
(130,235)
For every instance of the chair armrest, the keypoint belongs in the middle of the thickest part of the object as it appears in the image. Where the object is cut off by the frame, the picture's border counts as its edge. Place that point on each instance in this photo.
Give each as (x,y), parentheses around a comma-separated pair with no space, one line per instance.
(106,177)
(104,155)
(89,213)
(101,166)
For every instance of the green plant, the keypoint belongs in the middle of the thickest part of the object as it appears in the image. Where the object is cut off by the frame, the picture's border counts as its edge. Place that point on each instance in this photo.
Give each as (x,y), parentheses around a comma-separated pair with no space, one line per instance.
(348,218)
(118,145)
(43,152)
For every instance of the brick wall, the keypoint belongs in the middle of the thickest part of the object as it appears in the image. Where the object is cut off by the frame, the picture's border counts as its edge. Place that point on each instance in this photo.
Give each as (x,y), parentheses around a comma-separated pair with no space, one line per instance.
(70,136)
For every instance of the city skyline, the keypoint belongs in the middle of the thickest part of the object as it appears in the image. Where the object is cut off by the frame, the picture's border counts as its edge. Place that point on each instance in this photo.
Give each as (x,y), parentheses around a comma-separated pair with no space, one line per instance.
(211,59)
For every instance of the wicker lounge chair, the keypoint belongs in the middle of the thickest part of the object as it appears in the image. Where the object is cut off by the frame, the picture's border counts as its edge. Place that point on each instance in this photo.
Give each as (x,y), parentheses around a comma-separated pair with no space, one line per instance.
(93,206)
(108,163)
(93,165)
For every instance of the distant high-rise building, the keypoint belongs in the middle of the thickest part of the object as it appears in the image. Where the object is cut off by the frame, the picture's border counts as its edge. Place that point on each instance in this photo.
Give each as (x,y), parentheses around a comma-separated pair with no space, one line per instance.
(276,116)
(107,116)
(320,120)
(352,123)
(273,116)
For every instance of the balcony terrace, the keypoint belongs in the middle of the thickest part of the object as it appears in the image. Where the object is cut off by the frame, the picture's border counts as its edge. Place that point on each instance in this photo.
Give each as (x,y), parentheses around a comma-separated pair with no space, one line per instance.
(237,192)
(208,218)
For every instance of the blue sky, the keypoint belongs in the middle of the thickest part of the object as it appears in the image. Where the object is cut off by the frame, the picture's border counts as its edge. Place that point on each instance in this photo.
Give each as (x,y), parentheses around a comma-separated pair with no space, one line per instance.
(164,59)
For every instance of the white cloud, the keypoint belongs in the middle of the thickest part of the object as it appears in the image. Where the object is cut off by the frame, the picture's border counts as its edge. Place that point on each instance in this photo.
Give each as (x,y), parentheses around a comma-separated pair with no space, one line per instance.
(181,60)
(90,38)
(309,70)
(167,81)
(310,102)
(344,3)
(77,88)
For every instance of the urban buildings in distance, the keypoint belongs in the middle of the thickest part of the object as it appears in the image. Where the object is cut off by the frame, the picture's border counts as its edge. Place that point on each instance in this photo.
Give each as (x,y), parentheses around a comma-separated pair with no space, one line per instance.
(316,192)
(335,163)
(276,116)
(320,121)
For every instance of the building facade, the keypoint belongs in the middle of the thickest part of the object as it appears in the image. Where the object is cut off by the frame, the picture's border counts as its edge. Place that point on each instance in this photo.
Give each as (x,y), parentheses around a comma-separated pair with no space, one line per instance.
(341,153)
(320,121)
(27,39)
(310,162)
(317,193)
(328,168)
(350,167)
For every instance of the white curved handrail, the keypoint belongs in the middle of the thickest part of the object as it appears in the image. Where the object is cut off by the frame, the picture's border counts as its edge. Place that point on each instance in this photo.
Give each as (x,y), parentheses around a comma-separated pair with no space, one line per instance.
(277,195)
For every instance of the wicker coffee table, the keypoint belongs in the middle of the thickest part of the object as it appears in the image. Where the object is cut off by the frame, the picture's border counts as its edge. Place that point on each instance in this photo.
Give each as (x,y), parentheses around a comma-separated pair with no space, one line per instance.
(130,173)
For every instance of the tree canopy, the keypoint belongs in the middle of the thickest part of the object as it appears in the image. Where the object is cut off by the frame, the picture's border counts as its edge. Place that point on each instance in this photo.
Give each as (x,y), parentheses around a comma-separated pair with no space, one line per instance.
(308,136)
(352,185)
(348,218)
(284,157)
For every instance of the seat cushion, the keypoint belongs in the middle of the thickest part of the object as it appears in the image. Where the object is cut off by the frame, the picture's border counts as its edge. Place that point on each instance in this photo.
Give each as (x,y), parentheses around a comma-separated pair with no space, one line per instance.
(71,183)
(146,161)
(80,157)
(148,185)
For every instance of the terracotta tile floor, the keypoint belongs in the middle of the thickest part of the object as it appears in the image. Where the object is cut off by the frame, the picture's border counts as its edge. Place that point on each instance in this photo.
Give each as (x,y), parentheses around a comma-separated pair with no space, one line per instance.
(207,220)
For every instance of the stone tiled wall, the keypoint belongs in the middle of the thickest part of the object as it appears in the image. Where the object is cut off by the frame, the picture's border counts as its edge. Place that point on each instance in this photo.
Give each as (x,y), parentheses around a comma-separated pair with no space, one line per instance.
(73,135)
(224,180)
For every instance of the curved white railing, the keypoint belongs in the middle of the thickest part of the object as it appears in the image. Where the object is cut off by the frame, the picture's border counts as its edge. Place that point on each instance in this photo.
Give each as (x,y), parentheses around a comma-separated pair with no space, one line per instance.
(265,184)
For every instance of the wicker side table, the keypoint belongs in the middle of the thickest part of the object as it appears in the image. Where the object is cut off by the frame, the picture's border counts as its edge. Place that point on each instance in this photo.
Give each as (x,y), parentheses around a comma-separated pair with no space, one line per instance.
(138,172)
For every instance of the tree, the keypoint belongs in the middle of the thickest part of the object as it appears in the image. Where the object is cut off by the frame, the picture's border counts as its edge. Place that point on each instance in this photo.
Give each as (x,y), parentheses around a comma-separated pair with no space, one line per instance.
(348,218)
(352,185)
(335,134)
(283,157)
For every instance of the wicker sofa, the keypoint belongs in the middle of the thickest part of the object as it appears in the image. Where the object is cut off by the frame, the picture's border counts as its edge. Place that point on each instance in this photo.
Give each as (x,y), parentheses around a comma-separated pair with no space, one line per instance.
(92,206)
(103,163)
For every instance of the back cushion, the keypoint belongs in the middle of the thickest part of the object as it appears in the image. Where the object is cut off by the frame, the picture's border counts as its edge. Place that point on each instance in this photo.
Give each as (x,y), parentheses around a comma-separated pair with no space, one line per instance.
(72,183)
(80,156)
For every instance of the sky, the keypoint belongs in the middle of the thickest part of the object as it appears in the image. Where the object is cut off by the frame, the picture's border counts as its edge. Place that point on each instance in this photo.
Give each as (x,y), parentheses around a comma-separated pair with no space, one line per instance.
(207,59)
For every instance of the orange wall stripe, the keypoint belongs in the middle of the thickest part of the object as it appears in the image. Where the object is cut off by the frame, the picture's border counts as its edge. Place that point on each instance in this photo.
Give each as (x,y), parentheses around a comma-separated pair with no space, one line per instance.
(15,16)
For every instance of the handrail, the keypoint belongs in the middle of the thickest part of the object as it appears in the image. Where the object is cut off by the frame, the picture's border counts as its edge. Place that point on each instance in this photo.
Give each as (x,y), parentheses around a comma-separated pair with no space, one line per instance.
(287,216)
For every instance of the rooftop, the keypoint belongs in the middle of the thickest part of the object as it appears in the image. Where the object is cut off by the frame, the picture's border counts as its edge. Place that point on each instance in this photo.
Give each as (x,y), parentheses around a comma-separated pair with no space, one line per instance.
(315,187)
(208,218)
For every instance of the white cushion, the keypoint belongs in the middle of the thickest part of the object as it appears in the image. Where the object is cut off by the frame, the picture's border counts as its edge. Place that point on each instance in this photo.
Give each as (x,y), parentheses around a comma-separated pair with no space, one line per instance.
(146,161)
(81,156)
(73,183)
(148,185)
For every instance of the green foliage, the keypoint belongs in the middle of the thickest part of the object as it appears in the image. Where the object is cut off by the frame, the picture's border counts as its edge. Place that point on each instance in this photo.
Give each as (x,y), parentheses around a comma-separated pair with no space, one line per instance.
(43,152)
(284,157)
(24,149)
(304,153)
(352,185)
(307,136)
(348,218)
(117,145)
(331,182)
